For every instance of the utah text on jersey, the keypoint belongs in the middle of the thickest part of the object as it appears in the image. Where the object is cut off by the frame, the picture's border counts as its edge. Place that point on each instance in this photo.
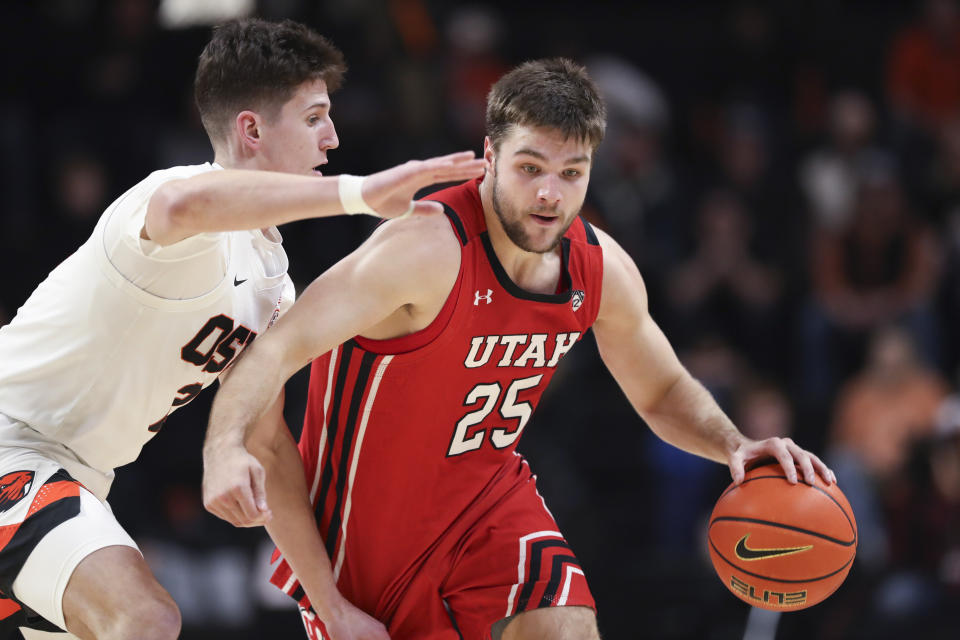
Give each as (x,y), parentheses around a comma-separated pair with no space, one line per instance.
(484,348)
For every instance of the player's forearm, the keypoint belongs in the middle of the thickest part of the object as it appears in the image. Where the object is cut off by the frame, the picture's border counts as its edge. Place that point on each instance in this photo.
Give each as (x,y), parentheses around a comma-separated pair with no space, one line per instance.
(294,529)
(233,200)
(689,418)
(252,386)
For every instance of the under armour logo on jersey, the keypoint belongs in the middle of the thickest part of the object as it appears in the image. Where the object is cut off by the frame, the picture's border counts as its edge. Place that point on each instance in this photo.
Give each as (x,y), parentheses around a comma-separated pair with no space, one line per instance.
(477,297)
(577,299)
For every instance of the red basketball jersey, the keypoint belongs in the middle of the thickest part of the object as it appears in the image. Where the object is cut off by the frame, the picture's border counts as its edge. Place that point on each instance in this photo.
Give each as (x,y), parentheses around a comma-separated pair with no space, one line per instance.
(404,437)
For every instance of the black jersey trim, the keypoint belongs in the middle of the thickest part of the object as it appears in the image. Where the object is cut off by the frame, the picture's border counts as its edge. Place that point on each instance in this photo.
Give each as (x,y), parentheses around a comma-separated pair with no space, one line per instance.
(349,429)
(29,533)
(512,288)
(456,222)
(298,594)
(24,616)
(333,421)
(533,574)
(591,234)
(556,575)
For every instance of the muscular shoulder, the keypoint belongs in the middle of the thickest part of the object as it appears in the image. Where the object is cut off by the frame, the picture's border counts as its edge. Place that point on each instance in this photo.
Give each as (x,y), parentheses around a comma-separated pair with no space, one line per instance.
(420,253)
(624,293)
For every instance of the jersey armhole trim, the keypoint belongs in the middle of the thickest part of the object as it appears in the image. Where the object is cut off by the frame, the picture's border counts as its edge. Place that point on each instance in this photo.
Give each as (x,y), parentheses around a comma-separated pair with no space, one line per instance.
(456,222)
(590,233)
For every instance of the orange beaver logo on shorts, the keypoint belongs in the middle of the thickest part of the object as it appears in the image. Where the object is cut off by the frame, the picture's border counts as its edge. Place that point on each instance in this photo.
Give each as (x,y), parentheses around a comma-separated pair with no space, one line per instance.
(13,487)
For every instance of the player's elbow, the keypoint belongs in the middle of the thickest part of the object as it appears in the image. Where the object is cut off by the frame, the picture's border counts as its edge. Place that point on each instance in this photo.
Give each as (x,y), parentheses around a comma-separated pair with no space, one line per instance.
(169,213)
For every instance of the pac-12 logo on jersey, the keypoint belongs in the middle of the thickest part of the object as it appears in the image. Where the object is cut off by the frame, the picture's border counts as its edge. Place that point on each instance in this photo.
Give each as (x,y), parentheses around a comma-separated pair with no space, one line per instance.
(577,300)
(14,487)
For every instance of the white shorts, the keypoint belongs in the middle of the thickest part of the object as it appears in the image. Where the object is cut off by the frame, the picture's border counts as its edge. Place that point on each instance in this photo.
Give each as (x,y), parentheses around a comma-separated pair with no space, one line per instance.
(48,523)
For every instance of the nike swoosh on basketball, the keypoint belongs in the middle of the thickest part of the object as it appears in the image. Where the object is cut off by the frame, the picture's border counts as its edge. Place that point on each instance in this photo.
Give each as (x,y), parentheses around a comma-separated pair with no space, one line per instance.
(237,282)
(746,553)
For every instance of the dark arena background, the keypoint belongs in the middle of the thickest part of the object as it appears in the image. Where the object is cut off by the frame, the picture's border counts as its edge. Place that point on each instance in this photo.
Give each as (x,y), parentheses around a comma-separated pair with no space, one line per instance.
(786,173)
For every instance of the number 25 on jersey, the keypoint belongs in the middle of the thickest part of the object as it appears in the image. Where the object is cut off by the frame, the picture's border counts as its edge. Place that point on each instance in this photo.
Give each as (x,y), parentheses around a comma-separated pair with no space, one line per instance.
(487,396)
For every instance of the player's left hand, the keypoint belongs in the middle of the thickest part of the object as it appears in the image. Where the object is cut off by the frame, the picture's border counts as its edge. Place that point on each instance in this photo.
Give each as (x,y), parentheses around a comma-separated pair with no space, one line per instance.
(391,192)
(787,453)
(234,487)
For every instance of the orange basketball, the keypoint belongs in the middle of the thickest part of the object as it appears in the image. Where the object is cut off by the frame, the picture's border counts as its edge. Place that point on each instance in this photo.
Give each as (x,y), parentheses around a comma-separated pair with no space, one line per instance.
(782,546)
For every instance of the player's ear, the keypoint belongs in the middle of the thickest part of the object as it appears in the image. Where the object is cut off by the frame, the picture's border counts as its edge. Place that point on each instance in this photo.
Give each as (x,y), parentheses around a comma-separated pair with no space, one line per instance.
(247,126)
(489,155)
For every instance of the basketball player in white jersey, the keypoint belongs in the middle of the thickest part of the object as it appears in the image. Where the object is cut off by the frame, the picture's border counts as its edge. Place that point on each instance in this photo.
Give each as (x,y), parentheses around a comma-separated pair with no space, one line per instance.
(181,272)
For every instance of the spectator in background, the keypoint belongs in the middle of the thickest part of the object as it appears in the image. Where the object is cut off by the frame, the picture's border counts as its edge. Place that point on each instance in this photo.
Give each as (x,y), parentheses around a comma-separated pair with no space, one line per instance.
(923,71)
(724,288)
(764,411)
(82,190)
(940,182)
(633,185)
(878,417)
(829,175)
(474,61)
(949,298)
(880,268)
(920,592)
(746,163)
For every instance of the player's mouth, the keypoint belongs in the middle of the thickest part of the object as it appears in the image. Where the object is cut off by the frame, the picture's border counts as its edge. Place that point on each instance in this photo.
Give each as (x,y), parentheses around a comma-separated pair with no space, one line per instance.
(544,220)
(316,170)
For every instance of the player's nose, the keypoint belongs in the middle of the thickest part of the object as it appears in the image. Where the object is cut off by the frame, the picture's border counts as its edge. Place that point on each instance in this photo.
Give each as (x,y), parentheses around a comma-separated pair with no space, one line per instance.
(548,192)
(329,139)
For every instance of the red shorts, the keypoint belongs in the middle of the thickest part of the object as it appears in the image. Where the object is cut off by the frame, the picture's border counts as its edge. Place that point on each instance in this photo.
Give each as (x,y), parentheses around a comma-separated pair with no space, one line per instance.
(503,556)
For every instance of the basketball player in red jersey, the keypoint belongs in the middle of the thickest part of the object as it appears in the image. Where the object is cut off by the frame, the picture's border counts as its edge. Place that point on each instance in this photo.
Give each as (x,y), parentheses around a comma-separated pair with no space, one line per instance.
(431,346)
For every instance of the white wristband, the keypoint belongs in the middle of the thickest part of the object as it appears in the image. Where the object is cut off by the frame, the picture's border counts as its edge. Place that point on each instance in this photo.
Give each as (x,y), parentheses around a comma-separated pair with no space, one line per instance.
(350,189)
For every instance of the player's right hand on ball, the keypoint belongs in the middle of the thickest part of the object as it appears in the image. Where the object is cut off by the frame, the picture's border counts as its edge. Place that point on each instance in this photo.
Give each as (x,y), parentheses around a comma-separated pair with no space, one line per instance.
(234,488)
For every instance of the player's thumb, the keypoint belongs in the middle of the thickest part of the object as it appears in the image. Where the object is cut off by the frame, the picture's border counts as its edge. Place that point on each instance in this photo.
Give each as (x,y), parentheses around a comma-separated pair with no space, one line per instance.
(258,484)
(737,470)
(426,207)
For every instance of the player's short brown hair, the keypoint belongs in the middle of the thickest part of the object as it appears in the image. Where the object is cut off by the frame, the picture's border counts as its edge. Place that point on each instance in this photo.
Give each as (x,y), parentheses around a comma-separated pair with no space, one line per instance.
(555,93)
(258,65)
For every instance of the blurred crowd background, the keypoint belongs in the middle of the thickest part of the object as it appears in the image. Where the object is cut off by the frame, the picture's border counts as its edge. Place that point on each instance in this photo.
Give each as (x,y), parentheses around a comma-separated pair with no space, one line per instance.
(786,173)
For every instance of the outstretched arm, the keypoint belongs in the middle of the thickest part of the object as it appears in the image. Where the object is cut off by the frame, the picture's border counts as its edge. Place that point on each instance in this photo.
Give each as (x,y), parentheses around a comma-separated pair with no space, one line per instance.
(406,264)
(677,407)
(295,533)
(236,199)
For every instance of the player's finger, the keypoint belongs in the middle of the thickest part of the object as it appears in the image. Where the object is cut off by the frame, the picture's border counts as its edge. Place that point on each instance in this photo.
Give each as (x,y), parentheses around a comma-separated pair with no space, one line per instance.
(736,467)
(428,174)
(455,157)
(825,472)
(802,458)
(806,466)
(464,170)
(223,510)
(243,496)
(786,461)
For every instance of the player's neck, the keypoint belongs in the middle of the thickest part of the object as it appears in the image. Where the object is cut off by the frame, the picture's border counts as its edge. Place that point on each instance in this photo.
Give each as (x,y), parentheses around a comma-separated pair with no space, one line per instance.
(230,161)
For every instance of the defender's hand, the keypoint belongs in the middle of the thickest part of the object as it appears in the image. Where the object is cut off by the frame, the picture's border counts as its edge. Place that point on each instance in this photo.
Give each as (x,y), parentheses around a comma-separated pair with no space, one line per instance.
(391,192)
(234,487)
(786,452)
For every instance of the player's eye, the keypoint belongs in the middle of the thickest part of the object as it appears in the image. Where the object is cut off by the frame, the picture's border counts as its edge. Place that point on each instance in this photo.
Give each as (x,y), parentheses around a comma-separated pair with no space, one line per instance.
(571,173)
(529,168)
(313,120)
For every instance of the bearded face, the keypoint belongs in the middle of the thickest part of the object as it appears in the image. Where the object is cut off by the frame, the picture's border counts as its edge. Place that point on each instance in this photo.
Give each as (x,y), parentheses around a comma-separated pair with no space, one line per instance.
(539,184)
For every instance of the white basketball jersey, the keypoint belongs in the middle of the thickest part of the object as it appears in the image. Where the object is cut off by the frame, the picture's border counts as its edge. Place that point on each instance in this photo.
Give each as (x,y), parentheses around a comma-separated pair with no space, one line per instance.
(123,332)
